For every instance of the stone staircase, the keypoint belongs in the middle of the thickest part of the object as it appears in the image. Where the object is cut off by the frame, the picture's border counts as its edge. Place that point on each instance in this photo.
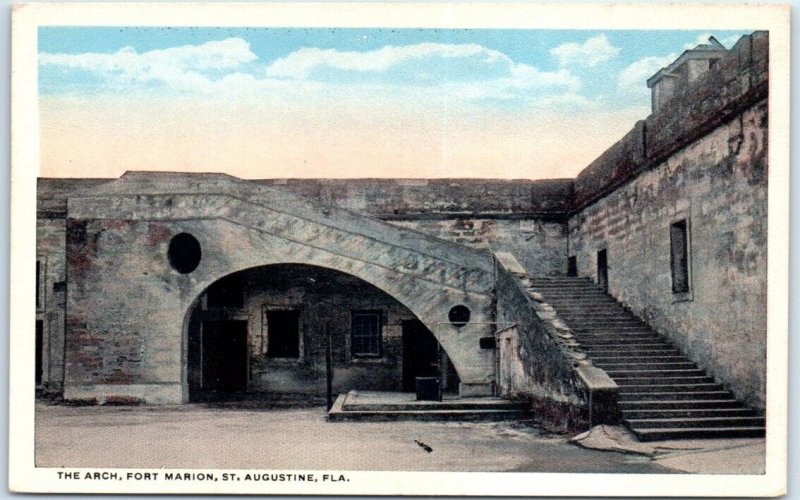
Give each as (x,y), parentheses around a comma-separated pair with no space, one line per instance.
(662,394)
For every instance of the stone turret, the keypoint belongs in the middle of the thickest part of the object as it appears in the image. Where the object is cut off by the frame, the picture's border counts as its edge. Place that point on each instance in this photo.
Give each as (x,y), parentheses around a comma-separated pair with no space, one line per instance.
(687,68)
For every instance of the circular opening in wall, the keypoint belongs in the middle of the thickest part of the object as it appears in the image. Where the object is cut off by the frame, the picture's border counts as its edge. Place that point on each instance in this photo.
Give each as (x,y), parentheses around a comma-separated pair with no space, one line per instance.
(184,253)
(459,316)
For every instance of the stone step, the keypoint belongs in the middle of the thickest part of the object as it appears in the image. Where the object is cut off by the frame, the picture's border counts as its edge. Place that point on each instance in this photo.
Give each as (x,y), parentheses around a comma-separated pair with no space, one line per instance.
(606,326)
(662,434)
(455,404)
(680,404)
(613,340)
(667,395)
(596,345)
(661,380)
(687,413)
(703,387)
(559,281)
(675,423)
(561,285)
(610,330)
(644,345)
(426,415)
(628,357)
(581,300)
(600,310)
(364,410)
(676,365)
(663,349)
(591,310)
(648,373)
(622,336)
(573,295)
(594,321)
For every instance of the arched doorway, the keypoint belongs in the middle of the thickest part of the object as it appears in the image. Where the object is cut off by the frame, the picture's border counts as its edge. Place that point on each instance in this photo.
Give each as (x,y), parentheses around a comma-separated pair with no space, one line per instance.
(263,332)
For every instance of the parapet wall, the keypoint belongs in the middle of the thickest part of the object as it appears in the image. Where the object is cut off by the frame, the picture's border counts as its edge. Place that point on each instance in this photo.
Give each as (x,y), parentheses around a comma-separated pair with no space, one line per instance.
(425,199)
(733,85)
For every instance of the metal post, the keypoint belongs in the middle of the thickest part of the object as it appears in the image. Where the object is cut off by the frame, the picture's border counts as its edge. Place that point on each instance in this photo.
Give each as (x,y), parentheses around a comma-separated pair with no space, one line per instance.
(329,366)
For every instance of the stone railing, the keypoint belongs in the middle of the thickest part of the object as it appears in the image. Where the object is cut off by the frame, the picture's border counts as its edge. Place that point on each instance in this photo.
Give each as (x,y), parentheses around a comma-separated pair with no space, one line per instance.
(539,358)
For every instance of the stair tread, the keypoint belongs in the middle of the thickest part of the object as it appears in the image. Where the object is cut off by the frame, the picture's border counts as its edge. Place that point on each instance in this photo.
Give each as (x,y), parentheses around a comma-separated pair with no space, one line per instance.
(691,419)
(681,430)
(664,413)
(696,401)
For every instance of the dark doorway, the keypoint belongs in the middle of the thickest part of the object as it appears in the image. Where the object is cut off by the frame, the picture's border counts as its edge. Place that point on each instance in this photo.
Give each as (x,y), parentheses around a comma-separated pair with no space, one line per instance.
(420,353)
(602,269)
(224,356)
(283,335)
(39,350)
(572,266)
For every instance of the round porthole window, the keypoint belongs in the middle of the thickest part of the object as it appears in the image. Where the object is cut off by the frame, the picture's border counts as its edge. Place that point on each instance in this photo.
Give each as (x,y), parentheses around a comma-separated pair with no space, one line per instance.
(459,316)
(184,253)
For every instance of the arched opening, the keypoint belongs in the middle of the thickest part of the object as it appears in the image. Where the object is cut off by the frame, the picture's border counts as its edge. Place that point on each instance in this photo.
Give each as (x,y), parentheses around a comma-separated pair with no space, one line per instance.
(262,333)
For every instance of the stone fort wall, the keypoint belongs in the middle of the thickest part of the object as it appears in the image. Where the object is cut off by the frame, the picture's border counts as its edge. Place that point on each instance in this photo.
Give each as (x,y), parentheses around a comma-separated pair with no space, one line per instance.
(702,159)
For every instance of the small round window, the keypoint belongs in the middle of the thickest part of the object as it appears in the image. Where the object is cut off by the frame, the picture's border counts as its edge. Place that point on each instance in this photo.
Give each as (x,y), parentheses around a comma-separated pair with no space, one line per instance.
(184,253)
(459,316)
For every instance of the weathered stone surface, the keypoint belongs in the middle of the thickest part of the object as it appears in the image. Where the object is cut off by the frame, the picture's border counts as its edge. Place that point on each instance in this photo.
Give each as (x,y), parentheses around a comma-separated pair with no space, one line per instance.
(722,192)
(425,199)
(539,243)
(735,84)
(51,255)
(127,309)
(541,369)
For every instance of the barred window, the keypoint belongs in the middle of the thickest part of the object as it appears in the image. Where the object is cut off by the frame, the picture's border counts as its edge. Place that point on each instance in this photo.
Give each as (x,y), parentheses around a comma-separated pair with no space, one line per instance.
(365,331)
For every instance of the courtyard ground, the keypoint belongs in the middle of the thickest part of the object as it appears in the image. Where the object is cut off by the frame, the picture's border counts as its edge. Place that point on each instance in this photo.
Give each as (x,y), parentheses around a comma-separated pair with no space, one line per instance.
(210,436)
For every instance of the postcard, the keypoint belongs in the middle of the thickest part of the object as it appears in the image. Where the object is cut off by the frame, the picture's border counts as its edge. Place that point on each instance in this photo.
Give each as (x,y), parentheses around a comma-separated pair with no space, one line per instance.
(492,249)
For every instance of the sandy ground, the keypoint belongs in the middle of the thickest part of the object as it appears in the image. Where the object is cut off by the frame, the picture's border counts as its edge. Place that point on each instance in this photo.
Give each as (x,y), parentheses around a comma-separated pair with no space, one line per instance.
(198,436)
(700,456)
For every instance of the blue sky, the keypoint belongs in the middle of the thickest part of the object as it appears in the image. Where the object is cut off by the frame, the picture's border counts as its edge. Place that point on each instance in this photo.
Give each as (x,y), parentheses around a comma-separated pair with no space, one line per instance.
(469,75)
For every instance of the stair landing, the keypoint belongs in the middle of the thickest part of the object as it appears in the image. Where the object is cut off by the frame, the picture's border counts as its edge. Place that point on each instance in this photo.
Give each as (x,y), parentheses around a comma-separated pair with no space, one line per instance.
(382,406)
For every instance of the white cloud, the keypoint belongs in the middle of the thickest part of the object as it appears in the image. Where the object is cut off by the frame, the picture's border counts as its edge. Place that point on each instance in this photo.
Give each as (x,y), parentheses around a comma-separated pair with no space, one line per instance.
(301,63)
(431,71)
(465,71)
(589,53)
(179,67)
(634,77)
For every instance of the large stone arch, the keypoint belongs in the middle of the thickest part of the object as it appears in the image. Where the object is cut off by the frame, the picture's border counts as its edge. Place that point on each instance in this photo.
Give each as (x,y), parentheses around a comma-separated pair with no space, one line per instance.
(126,305)
(256,294)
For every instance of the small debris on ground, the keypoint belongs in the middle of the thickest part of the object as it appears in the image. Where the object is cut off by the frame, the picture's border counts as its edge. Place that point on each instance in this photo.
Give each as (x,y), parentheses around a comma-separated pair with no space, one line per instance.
(424,446)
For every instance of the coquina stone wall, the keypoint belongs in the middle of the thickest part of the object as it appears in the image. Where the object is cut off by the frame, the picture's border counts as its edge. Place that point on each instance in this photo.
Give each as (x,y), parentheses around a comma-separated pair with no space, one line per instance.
(701,159)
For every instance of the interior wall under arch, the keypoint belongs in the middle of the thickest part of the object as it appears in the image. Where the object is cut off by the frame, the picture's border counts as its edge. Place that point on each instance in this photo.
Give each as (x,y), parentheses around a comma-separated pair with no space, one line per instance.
(287,312)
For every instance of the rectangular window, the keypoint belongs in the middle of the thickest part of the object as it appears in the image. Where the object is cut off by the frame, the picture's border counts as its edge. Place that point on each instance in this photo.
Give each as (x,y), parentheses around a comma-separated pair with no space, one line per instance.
(366,334)
(283,334)
(679,256)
